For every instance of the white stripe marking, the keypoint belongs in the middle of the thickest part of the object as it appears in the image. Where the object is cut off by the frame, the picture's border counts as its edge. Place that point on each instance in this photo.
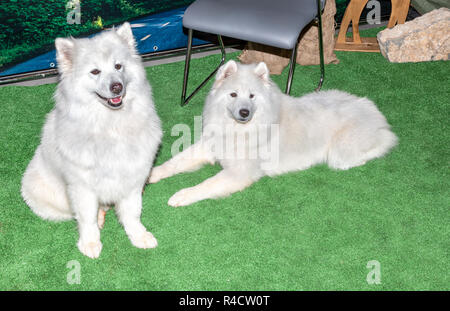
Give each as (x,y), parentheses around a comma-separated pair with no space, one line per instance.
(146,37)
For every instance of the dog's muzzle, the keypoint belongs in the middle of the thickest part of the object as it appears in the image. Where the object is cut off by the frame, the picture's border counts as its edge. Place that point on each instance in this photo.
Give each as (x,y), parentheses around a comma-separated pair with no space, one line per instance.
(242,115)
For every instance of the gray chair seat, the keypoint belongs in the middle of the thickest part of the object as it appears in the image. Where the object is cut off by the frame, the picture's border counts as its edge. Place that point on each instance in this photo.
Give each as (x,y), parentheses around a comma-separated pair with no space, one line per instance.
(276,23)
(272,22)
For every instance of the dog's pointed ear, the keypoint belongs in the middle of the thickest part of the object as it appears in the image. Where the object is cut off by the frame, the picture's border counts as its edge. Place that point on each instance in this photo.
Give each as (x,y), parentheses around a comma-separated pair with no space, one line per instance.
(263,72)
(124,32)
(64,53)
(226,70)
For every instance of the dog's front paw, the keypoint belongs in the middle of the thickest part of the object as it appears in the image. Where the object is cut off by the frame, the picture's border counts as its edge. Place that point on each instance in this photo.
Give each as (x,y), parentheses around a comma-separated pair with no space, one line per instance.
(157,174)
(182,198)
(91,249)
(144,240)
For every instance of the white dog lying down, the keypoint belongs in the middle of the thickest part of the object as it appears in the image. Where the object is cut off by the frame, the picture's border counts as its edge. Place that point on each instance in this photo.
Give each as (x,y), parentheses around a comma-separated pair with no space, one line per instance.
(270,133)
(99,142)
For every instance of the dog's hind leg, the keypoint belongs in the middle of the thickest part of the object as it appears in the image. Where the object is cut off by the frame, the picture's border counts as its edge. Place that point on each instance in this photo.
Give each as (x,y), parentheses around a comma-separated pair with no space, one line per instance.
(101,215)
(44,192)
(355,146)
(223,184)
(188,160)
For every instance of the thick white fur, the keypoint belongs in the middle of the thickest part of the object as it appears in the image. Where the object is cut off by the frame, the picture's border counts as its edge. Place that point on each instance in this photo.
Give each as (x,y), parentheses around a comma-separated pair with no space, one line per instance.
(91,156)
(331,127)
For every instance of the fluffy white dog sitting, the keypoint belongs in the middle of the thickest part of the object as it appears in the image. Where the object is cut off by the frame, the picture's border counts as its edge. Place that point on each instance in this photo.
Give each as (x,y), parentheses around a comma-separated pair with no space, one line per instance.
(331,127)
(99,142)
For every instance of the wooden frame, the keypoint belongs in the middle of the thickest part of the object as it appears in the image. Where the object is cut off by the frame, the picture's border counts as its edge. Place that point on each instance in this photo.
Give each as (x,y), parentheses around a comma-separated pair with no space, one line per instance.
(353,15)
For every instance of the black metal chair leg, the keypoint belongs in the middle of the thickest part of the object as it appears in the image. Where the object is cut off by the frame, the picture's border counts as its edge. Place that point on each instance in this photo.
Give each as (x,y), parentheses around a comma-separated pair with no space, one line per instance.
(186,67)
(322,67)
(292,63)
(294,55)
(185,100)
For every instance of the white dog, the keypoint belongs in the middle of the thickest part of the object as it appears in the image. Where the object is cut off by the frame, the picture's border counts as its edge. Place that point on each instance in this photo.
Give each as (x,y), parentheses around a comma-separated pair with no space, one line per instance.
(324,127)
(99,142)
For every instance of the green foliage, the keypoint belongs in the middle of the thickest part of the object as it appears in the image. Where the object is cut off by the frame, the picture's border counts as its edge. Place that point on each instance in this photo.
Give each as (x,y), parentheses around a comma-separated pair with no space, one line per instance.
(28,26)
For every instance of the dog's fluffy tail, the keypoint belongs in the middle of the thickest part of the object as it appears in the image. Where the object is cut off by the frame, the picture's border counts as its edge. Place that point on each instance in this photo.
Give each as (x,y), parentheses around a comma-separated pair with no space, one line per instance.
(348,152)
(386,141)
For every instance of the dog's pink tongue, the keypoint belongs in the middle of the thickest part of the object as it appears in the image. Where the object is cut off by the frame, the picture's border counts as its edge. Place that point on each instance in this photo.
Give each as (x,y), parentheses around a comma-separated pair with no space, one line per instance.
(116,100)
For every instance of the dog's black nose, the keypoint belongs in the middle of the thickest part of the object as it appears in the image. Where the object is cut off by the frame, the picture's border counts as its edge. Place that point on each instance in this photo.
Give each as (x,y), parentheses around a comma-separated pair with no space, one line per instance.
(244,113)
(116,87)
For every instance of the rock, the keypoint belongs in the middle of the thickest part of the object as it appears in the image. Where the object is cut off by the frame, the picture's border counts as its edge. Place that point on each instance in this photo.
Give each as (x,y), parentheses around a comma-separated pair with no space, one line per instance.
(425,38)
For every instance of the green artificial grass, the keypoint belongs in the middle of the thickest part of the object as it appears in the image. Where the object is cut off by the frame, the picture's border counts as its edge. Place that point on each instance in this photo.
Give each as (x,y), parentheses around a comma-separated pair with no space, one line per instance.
(310,230)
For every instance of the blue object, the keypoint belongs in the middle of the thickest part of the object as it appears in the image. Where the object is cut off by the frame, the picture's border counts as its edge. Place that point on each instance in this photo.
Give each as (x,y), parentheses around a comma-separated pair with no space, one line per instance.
(156,32)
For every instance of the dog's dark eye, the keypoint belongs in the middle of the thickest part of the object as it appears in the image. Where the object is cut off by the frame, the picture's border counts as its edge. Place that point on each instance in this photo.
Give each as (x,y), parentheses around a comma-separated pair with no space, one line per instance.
(118,66)
(234,94)
(252,96)
(95,72)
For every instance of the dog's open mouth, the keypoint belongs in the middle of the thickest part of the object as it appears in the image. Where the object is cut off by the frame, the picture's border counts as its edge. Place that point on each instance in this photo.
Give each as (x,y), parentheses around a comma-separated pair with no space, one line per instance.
(113,102)
(241,120)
